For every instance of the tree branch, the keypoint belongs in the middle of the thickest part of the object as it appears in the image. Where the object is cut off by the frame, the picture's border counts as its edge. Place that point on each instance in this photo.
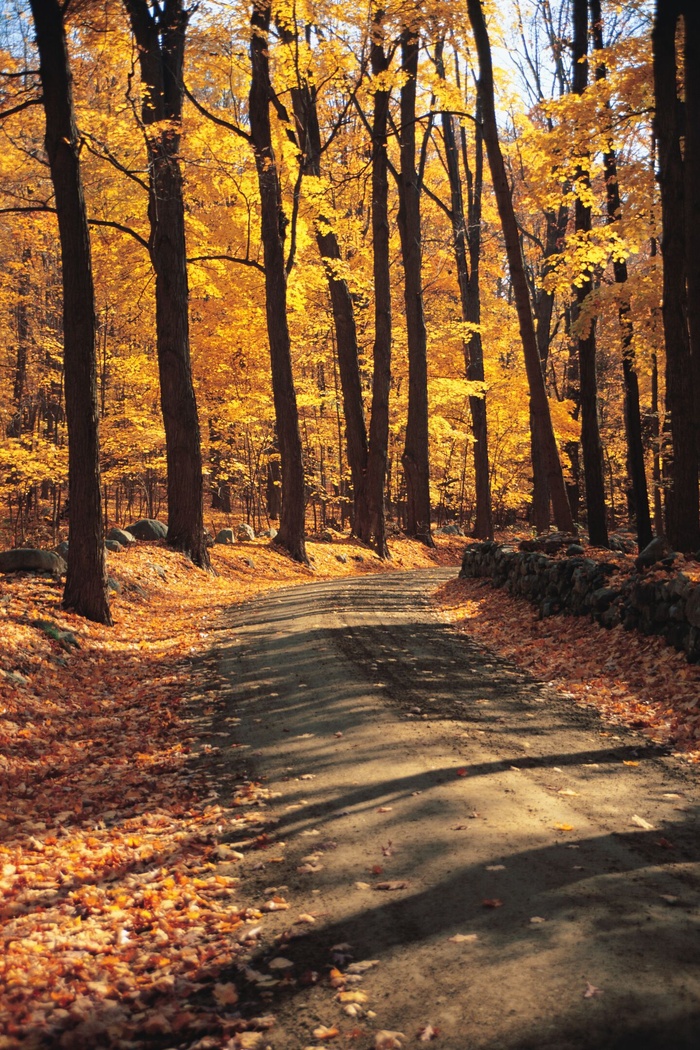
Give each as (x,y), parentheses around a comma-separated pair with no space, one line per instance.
(227,258)
(216,120)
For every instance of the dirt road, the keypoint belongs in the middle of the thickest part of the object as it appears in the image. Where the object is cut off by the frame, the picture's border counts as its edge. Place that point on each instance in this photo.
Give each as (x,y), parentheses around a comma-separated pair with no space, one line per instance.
(542,867)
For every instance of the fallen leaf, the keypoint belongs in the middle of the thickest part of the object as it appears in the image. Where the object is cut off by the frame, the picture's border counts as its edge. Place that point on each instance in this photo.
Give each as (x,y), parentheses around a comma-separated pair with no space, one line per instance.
(388,850)
(322,1032)
(385,809)
(628,762)
(426,1032)
(280,963)
(537,919)
(463,938)
(352,997)
(395,884)
(226,994)
(591,991)
(303,918)
(564,827)
(568,791)
(386,1040)
(309,869)
(377,869)
(640,822)
(363,886)
(462,772)
(362,967)
(495,867)
(492,902)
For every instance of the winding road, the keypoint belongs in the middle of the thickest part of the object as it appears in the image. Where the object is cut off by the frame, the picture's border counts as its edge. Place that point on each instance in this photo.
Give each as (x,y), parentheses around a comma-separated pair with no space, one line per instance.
(541,867)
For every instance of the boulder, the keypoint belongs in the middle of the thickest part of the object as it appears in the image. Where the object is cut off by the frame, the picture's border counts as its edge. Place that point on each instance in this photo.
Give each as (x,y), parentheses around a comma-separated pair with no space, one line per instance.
(62,549)
(148,529)
(269,533)
(326,536)
(225,536)
(121,536)
(244,533)
(449,530)
(574,549)
(114,546)
(657,550)
(343,558)
(33,560)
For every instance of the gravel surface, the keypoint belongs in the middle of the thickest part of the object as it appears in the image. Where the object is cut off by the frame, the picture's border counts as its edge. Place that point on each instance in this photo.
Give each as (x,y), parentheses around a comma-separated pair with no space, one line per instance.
(541,868)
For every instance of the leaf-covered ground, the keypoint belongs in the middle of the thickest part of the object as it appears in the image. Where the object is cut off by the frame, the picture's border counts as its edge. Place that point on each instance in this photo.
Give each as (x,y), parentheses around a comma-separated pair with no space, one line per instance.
(121,909)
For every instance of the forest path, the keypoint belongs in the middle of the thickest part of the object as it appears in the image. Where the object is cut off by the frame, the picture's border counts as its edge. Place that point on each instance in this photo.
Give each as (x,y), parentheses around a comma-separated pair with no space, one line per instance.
(563,851)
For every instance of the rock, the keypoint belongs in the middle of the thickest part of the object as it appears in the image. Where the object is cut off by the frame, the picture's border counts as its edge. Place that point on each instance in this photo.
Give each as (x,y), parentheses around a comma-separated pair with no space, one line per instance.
(62,549)
(342,558)
(269,533)
(249,562)
(692,607)
(225,536)
(450,530)
(121,536)
(244,533)
(326,536)
(658,549)
(357,557)
(114,585)
(33,560)
(574,549)
(158,569)
(148,529)
(114,546)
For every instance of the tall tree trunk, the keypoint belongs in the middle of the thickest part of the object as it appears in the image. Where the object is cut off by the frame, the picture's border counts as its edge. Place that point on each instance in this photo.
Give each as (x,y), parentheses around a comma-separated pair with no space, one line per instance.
(306,117)
(682,516)
(273,224)
(86,582)
(469,234)
(691,166)
(381,352)
(590,430)
(543,305)
(415,458)
(160,38)
(633,418)
(543,432)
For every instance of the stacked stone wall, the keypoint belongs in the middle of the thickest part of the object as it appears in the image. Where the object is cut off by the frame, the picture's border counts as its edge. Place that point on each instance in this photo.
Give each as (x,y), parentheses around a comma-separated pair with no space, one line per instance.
(653,602)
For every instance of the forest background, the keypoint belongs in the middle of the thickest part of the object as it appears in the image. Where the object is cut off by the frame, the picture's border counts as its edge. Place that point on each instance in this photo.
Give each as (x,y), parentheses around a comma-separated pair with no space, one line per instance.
(576,88)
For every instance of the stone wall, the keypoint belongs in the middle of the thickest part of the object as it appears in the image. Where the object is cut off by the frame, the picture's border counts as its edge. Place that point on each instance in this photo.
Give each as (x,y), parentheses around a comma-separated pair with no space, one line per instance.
(658,602)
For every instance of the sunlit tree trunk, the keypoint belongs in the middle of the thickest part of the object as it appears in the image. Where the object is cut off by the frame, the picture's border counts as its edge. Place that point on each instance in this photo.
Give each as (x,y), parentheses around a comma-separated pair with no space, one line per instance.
(273,224)
(415,455)
(86,582)
(466,234)
(381,352)
(160,37)
(682,516)
(633,419)
(543,432)
(586,340)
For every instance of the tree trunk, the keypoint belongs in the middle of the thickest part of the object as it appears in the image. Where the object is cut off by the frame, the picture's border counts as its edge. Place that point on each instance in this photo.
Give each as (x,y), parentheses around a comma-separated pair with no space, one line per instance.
(682,517)
(543,432)
(86,582)
(273,224)
(160,38)
(306,115)
(590,430)
(633,418)
(469,233)
(381,353)
(691,165)
(415,455)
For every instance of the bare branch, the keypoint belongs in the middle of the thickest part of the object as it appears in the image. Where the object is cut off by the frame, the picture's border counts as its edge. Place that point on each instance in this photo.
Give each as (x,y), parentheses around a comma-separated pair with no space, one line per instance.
(227,258)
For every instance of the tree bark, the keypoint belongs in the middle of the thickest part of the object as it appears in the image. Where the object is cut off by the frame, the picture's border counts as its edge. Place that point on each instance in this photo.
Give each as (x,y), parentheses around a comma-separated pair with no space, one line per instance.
(415,457)
(273,224)
(306,117)
(160,38)
(682,516)
(86,581)
(691,166)
(381,352)
(467,234)
(543,432)
(633,418)
(586,344)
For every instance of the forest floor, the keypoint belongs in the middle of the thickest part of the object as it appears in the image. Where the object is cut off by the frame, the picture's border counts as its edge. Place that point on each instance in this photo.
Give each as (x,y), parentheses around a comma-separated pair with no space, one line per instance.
(199,804)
